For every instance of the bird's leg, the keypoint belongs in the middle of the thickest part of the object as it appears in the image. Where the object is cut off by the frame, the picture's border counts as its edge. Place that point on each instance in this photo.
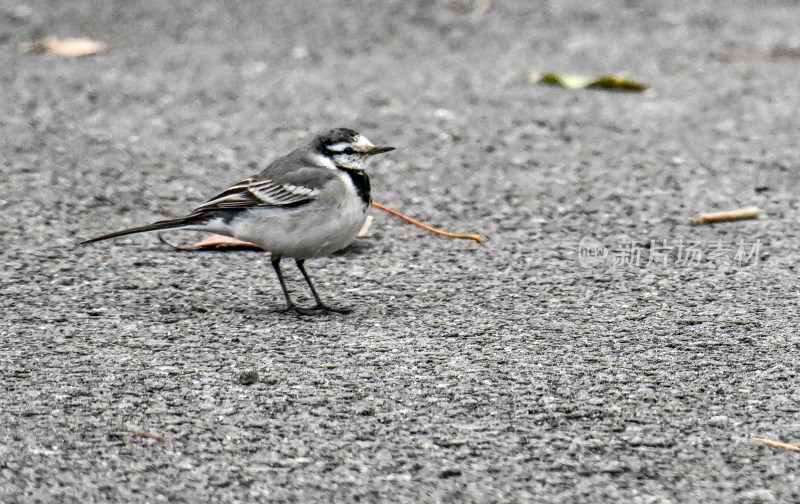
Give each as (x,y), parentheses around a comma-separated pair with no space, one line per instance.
(276,263)
(320,306)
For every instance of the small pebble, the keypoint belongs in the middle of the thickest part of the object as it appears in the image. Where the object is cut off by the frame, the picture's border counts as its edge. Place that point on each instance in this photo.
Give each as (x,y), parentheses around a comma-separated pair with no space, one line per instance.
(718,421)
(760,495)
(248,377)
(450,472)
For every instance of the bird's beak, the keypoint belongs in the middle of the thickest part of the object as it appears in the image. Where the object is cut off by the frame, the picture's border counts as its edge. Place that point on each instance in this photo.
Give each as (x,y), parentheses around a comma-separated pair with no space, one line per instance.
(379,150)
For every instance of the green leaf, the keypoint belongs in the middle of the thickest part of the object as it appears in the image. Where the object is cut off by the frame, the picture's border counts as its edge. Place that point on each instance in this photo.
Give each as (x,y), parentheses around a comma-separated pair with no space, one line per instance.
(611,82)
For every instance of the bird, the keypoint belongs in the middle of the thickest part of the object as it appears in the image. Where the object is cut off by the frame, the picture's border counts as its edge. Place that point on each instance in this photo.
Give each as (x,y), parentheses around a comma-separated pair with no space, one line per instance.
(309,203)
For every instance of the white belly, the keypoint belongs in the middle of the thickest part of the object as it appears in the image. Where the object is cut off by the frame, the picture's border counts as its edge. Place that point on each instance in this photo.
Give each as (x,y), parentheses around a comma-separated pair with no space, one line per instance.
(308,231)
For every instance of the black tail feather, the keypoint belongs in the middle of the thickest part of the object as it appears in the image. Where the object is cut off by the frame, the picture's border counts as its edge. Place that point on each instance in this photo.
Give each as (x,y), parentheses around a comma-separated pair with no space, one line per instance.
(156,226)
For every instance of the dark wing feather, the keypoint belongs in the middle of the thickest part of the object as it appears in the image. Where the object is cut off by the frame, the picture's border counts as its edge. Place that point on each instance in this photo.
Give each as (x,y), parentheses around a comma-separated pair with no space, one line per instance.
(288,182)
(251,193)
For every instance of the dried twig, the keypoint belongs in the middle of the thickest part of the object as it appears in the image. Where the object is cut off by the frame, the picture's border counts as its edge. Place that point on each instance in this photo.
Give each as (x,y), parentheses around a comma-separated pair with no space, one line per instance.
(70,47)
(732,215)
(778,444)
(425,226)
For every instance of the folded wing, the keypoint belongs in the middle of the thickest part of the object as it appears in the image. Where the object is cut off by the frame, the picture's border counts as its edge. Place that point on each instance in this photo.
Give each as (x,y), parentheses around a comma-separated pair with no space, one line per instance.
(254,192)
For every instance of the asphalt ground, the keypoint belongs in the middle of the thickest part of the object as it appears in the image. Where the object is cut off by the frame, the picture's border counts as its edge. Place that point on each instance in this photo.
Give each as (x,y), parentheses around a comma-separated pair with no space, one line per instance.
(516,371)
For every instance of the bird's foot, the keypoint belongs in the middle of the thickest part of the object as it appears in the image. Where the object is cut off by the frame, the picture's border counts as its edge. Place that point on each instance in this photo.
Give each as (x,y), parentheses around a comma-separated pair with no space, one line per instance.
(318,309)
(332,309)
(288,308)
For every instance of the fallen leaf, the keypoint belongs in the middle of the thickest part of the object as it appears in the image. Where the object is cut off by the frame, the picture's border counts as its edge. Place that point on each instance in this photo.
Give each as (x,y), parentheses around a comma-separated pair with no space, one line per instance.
(213,242)
(732,215)
(610,82)
(778,444)
(481,6)
(69,47)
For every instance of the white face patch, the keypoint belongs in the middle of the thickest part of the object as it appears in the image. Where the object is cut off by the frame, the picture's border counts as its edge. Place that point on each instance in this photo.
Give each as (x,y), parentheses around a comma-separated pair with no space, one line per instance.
(338,147)
(325,161)
(361,144)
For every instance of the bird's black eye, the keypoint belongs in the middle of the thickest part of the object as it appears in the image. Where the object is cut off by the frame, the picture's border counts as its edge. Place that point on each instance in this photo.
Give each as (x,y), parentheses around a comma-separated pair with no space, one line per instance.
(348,150)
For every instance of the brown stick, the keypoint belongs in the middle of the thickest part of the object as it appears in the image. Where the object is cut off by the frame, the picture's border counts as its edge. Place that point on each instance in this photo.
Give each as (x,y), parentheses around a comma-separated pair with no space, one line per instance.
(778,444)
(732,215)
(425,226)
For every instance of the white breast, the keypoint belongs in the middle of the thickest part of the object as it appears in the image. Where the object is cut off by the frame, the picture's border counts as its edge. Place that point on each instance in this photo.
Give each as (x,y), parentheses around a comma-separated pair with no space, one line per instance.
(320,228)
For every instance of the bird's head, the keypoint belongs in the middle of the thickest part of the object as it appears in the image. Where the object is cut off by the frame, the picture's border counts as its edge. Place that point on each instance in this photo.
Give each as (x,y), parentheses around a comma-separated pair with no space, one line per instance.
(346,148)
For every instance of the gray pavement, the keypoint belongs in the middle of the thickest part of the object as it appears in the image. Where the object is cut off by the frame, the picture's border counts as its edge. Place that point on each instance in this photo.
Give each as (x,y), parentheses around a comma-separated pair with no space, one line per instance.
(509,372)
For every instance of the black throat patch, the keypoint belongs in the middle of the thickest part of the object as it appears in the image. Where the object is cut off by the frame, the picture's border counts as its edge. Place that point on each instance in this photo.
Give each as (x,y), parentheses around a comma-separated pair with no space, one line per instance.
(361,182)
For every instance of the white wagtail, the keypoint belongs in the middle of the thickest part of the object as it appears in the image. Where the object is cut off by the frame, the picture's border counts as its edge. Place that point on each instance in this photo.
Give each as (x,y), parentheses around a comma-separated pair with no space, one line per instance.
(310,203)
